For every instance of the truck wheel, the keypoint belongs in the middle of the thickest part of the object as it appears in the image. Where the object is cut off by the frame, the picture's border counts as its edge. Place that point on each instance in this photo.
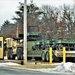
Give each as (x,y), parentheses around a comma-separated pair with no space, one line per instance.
(19,53)
(47,56)
(43,56)
(10,55)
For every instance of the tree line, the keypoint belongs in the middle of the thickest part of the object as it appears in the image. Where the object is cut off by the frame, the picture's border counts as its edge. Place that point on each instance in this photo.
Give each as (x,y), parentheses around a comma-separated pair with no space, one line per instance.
(52,22)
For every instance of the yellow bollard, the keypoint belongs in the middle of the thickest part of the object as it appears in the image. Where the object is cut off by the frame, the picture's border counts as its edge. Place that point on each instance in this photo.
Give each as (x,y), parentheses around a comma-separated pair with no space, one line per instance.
(50,57)
(64,54)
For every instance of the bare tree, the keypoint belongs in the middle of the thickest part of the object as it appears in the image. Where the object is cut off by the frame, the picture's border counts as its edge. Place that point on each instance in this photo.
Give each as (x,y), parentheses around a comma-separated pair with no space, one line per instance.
(67,19)
(49,20)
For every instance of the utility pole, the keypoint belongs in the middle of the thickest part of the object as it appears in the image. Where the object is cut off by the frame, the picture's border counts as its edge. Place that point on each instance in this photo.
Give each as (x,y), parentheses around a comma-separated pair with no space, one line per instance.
(17,31)
(25,31)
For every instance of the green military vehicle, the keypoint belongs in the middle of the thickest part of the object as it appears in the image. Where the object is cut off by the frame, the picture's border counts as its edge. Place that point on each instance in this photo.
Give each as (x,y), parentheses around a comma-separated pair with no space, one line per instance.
(37,48)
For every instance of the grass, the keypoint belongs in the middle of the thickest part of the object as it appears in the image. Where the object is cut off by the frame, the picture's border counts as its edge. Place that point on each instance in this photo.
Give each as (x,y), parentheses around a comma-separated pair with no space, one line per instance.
(35,66)
(31,65)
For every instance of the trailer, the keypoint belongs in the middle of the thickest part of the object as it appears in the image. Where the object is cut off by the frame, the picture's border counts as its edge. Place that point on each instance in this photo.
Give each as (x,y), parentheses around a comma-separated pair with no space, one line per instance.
(69,44)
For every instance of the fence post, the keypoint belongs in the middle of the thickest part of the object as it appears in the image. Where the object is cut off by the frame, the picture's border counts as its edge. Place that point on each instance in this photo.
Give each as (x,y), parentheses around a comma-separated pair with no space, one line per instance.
(50,57)
(64,54)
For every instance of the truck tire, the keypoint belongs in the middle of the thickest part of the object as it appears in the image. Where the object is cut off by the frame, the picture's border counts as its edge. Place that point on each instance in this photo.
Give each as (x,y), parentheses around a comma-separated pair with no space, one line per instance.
(20,53)
(10,55)
(43,56)
(47,56)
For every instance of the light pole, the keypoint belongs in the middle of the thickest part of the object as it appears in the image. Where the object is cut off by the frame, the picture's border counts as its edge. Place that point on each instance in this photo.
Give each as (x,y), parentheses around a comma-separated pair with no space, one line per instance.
(25,31)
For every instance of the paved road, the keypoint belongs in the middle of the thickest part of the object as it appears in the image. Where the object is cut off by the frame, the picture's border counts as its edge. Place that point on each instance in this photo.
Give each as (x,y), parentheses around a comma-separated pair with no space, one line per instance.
(10,71)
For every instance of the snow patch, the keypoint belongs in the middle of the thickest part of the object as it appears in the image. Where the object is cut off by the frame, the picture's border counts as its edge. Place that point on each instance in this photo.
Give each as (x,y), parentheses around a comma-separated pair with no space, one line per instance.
(68,67)
(9,64)
(62,67)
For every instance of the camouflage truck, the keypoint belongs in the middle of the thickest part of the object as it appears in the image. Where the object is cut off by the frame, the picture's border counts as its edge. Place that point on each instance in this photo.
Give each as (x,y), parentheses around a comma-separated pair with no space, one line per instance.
(68,43)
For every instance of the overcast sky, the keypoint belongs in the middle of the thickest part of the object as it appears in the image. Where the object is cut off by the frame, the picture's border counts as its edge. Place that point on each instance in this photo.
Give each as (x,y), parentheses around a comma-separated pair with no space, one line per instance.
(8,7)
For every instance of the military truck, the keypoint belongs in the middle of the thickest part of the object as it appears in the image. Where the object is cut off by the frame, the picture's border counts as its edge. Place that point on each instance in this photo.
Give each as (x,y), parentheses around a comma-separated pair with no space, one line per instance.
(15,48)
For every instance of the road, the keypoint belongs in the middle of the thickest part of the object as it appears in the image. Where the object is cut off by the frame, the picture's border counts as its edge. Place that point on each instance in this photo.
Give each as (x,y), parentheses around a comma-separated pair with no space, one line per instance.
(11,71)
